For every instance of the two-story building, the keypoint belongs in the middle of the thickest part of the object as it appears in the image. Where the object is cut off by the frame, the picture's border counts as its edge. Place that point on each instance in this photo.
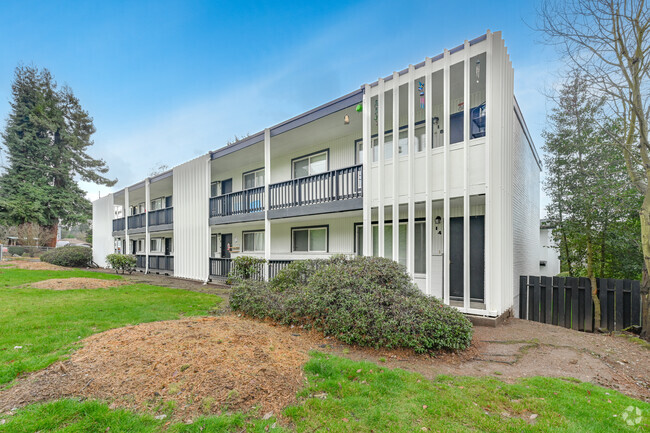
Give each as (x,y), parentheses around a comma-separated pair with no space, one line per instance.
(432,166)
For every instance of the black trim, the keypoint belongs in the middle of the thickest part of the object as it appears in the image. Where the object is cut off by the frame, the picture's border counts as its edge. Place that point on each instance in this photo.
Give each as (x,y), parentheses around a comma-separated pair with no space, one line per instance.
(326,151)
(242,239)
(321,226)
(243,184)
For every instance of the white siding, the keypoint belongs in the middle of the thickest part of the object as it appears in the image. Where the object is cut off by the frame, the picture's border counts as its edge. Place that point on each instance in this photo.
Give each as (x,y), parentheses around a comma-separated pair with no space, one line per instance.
(102,229)
(191,227)
(525,211)
(548,253)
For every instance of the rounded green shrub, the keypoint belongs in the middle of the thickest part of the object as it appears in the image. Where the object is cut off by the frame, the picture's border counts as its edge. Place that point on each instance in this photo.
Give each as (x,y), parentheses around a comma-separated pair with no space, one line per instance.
(16,250)
(122,262)
(368,301)
(69,256)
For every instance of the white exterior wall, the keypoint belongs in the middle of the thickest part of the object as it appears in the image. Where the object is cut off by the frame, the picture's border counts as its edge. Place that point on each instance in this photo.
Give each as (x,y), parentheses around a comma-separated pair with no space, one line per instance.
(548,253)
(191,224)
(525,211)
(103,243)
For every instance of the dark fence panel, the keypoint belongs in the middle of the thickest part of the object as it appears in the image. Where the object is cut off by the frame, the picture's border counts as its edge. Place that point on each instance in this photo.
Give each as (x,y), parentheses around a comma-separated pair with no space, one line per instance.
(137,221)
(161,216)
(161,263)
(118,224)
(567,302)
(140,261)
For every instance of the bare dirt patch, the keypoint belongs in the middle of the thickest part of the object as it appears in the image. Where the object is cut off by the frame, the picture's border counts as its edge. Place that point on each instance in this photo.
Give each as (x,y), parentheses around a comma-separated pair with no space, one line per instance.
(32,264)
(203,365)
(76,284)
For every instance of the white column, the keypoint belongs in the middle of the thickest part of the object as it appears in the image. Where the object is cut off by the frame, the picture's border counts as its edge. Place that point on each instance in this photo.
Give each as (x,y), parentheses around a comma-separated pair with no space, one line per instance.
(466,211)
(410,227)
(396,158)
(428,80)
(267,201)
(126,221)
(488,194)
(367,199)
(445,159)
(382,161)
(147,236)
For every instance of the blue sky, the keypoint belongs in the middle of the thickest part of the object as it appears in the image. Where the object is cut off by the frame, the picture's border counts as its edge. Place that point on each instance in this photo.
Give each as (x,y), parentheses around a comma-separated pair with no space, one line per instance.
(169,80)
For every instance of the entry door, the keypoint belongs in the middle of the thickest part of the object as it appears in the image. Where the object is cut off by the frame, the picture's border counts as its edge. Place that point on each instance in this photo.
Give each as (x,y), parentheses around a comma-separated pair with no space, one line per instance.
(134,247)
(168,246)
(226,241)
(477,258)
(456,260)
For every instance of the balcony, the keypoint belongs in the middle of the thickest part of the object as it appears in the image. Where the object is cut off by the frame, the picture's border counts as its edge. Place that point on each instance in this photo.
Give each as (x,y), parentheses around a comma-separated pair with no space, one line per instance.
(241,203)
(332,191)
(221,267)
(118,225)
(161,219)
(165,264)
(137,222)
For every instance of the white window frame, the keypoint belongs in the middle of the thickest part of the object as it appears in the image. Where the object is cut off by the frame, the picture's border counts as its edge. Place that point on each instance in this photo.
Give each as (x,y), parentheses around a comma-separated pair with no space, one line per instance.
(160,242)
(309,230)
(158,203)
(256,248)
(308,158)
(254,173)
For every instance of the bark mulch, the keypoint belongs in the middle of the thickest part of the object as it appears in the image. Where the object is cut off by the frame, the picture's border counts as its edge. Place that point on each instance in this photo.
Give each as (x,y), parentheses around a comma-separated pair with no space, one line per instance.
(204,365)
(75,284)
(33,265)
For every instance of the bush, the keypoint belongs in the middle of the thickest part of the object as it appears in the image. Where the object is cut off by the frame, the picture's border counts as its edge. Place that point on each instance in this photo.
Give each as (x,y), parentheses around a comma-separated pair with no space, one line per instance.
(121,262)
(368,301)
(16,251)
(73,257)
(245,267)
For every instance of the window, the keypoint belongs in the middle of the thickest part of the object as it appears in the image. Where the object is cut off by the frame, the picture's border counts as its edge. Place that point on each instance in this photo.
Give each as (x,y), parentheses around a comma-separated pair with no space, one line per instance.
(156,245)
(253,241)
(359,151)
(420,136)
(477,65)
(140,245)
(388,241)
(214,189)
(419,245)
(309,239)
(420,264)
(456,102)
(310,165)
(403,143)
(158,203)
(252,179)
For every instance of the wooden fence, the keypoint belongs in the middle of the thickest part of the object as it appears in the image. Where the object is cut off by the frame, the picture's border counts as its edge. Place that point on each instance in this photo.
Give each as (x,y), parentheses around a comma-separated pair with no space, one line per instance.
(567,302)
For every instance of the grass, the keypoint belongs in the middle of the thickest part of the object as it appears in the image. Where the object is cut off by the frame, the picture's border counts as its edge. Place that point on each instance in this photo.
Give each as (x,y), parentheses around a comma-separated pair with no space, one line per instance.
(48,324)
(350,396)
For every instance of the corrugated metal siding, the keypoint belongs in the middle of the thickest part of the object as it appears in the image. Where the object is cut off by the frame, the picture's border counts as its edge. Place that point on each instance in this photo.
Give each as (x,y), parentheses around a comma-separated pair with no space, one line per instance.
(102,229)
(191,229)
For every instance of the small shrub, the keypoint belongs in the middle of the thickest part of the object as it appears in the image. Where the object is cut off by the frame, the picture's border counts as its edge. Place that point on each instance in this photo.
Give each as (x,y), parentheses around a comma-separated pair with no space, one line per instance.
(16,251)
(368,301)
(121,262)
(246,267)
(72,257)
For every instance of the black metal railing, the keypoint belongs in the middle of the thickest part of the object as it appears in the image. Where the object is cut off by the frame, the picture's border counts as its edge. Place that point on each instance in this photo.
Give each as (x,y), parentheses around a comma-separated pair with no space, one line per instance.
(235,203)
(137,221)
(341,184)
(222,267)
(140,261)
(161,216)
(161,263)
(118,224)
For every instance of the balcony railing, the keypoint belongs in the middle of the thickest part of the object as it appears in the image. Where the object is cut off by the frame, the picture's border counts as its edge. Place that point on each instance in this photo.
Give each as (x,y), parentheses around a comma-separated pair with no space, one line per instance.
(221,267)
(235,203)
(137,221)
(161,216)
(341,184)
(161,263)
(118,224)
(140,261)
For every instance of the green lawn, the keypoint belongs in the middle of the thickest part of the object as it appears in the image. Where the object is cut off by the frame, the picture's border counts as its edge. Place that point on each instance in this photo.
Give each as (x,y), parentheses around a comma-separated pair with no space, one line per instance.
(349,396)
(48,324)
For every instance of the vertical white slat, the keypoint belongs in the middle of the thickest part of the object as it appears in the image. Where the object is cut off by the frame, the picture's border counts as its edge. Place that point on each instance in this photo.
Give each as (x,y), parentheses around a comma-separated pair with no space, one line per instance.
(147,236)
(410,230)
(267,202)
(126,219)
(489,110)
(381,167)
(428,80)
(466,210)
(446,134)
(396,164)
(367,178)
(103,229)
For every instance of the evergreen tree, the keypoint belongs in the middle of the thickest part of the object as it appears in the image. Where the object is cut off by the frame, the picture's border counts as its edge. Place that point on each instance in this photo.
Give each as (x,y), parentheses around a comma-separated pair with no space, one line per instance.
(45,141)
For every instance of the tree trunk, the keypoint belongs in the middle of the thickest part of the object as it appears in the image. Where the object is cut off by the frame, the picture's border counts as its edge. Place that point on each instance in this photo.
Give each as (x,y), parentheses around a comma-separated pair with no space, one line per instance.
(594,285)
(645,280)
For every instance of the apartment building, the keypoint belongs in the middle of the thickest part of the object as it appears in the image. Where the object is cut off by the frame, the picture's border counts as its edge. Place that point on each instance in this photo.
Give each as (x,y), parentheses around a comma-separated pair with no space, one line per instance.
(432,166)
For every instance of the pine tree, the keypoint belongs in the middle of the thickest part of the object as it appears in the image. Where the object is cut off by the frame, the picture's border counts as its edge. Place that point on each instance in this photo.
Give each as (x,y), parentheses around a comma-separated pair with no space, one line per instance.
(45,141)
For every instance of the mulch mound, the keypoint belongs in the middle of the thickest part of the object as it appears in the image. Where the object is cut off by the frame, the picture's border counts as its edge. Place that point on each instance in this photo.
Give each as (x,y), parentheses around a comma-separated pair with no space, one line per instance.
(205,365)
(76,284)
(33,265)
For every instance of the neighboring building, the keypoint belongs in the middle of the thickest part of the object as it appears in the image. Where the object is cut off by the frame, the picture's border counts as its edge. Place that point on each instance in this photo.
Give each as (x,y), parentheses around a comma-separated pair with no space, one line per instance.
(549,257)
(460,177)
